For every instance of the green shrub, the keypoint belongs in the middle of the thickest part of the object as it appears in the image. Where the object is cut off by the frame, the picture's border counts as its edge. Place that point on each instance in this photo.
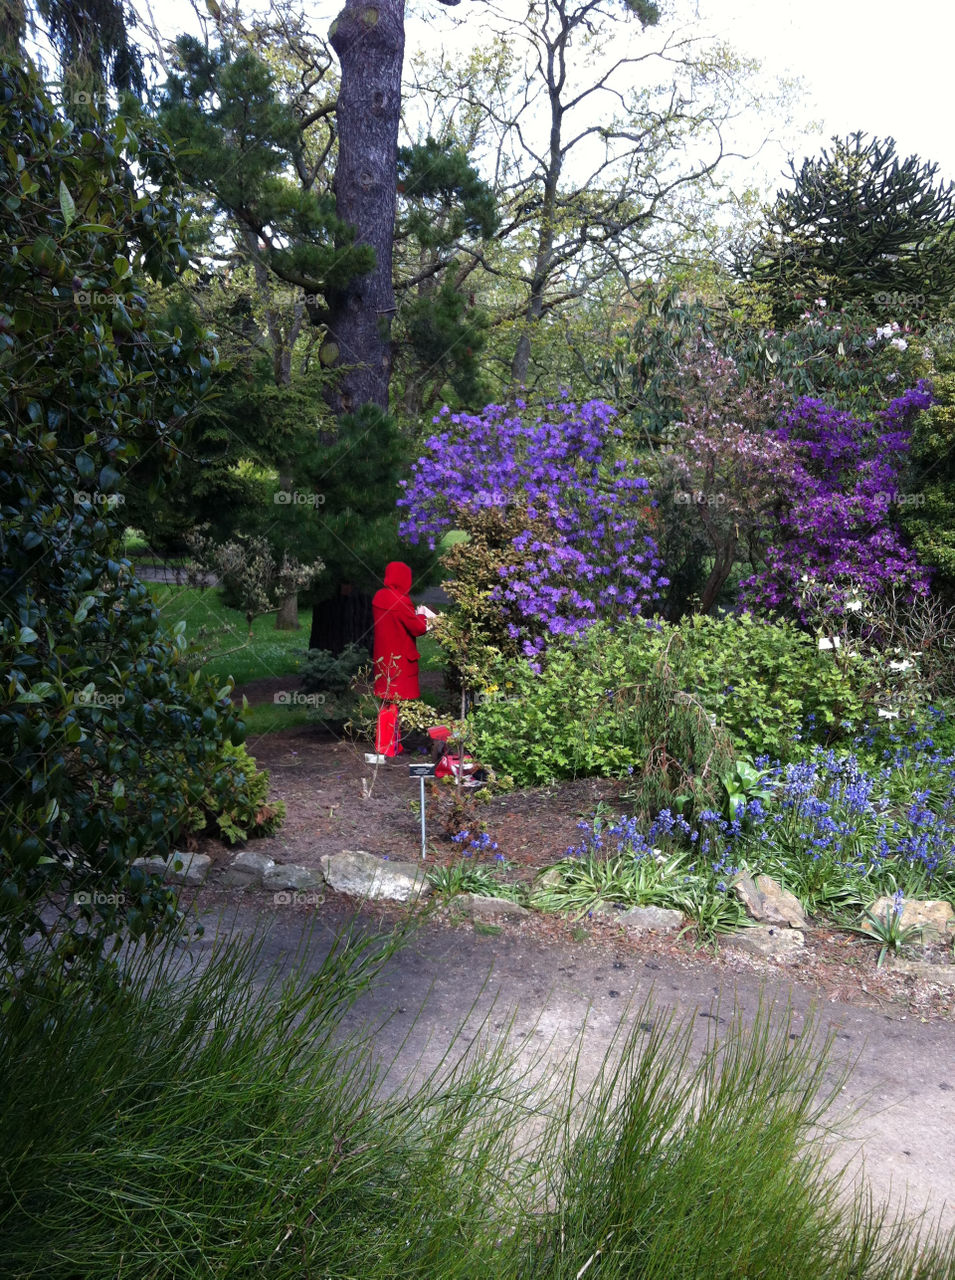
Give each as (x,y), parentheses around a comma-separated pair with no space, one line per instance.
(643,697)
(235,803)
(603,707)
(771,685)
(104,734)
(331,677)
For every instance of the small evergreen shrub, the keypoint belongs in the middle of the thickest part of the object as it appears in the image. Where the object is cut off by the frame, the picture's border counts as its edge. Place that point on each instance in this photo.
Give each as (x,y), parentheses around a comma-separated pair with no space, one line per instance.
(235,802)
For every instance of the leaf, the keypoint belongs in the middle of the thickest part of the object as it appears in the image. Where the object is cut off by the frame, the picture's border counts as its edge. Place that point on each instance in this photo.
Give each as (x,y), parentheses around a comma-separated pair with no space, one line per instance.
(67,204)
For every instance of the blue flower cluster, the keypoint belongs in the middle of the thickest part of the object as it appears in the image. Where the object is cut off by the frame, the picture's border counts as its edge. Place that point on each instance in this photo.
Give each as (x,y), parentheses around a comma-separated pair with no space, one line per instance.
(472,844)
(834,828)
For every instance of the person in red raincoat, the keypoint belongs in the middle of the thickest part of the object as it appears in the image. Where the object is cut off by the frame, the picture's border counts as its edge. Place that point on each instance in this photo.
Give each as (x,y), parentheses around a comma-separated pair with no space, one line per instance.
(397,627)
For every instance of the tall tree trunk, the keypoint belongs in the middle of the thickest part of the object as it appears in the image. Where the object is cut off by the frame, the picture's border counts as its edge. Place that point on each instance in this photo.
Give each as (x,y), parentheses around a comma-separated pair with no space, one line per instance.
(543,258)
(369,40)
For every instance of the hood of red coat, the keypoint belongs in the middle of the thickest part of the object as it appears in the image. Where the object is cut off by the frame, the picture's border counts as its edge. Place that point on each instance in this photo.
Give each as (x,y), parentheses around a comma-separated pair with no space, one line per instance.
(398,576)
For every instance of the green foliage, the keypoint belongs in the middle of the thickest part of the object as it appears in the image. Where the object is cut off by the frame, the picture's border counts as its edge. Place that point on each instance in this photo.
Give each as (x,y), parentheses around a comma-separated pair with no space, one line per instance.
(928,517)
(743,783)
(608,706)
(237,140)
(353,468)
(660,701)
(443,204)
(332,677)
(769,683)
(443,196)
(887,930)
(474,635)
(859,224)
(106,734)
(324,672)
(235,800)
(470,877)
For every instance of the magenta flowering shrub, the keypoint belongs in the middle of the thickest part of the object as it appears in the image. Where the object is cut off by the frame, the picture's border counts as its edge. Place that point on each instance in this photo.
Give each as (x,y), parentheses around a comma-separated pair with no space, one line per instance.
(589,556)
(838,531)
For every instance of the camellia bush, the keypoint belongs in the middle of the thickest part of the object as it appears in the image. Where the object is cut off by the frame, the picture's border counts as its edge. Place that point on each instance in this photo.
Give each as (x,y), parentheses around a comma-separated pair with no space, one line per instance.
(108,740)
(585,553)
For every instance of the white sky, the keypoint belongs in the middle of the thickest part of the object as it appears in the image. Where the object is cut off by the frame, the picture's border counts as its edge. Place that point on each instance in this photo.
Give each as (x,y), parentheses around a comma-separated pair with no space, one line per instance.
(883,66)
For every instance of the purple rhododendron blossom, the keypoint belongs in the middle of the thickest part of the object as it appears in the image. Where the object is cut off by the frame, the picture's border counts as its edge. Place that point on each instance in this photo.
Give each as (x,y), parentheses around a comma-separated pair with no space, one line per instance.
(838,530)
(594,562)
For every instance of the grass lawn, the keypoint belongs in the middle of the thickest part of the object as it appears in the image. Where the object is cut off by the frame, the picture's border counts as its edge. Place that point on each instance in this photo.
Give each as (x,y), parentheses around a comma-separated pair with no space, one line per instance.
(225,634)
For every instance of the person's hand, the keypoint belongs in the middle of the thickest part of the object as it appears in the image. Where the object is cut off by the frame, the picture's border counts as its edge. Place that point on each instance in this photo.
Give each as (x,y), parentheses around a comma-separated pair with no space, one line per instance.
(424,612)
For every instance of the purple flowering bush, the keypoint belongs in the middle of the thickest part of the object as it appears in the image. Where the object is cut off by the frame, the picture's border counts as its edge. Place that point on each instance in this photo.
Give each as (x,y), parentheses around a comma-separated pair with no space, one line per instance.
(839,532)
(589,554)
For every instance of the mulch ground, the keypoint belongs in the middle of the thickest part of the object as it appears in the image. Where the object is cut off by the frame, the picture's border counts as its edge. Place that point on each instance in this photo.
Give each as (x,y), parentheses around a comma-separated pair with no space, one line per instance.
(336,801)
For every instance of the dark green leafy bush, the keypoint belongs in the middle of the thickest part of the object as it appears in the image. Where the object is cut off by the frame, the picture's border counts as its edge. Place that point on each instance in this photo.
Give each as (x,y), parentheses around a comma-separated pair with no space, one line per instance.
(106,736)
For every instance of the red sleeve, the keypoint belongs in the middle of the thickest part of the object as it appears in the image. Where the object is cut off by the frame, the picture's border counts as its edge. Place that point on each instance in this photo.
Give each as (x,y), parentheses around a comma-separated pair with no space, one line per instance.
(416,624)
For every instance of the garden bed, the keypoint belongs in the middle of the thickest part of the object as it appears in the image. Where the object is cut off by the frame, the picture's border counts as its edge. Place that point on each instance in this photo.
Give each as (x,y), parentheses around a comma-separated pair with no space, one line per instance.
(320,777)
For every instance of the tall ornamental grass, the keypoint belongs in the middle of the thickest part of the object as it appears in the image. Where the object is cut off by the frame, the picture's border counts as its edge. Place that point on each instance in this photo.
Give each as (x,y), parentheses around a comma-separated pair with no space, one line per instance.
(200,1121)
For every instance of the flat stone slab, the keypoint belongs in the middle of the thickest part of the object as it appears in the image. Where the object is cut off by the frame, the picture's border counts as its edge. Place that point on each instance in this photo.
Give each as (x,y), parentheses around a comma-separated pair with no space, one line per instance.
(291,876)
(153,865)
(768,940)
(651,919)
(246,869)
(362,875)
(767,902)
(935,916)
(188,868)
(481,908)
(943,974)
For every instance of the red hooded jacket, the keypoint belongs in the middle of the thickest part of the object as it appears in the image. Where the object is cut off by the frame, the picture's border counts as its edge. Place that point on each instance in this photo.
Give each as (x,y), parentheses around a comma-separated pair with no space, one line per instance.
(396,628)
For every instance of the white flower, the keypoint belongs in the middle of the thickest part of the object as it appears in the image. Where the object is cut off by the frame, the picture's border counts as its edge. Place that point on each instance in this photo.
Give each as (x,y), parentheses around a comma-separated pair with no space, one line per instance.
(901,666)
(899,343)
(826,643)
(887,715)
(820,302)
(853,606)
